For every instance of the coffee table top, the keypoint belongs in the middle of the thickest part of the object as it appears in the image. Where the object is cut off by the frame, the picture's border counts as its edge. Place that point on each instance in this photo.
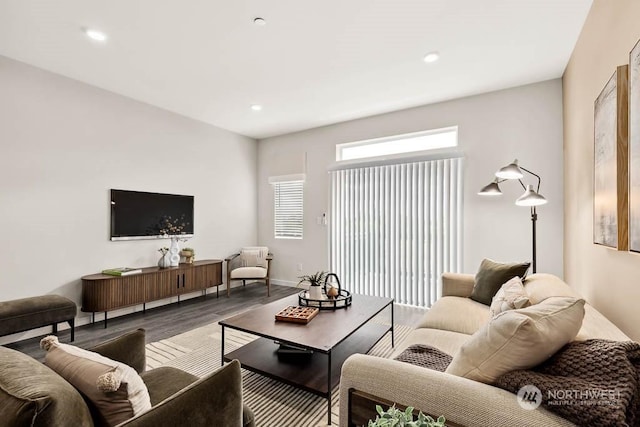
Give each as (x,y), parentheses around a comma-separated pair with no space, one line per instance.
(328,329)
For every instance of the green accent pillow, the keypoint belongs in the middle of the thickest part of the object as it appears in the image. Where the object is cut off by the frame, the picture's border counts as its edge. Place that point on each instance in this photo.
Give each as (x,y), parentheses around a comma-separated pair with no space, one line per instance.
(492,275)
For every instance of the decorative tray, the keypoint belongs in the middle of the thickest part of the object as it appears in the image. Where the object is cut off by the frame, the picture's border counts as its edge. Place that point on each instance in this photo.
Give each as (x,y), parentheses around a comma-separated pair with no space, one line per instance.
(342,300)
(297,314)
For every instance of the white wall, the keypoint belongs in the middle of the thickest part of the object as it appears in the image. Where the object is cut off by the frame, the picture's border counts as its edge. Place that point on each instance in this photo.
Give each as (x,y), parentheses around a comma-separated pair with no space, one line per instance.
(607,278)
(64,144)
(494,128)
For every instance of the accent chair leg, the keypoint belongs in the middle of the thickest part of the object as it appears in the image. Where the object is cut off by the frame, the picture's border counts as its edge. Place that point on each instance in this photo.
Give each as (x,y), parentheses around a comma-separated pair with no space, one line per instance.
(72,323)
(268,287)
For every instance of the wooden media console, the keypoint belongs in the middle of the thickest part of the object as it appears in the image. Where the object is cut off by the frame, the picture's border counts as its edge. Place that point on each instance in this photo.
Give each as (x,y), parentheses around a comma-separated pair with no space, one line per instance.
(101,292)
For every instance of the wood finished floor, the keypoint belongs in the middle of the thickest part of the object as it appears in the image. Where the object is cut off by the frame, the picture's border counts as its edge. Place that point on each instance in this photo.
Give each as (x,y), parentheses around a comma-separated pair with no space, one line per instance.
(173,319)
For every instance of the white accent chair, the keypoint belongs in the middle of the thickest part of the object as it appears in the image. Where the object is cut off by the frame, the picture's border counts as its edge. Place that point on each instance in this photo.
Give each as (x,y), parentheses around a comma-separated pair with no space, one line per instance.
(251,263)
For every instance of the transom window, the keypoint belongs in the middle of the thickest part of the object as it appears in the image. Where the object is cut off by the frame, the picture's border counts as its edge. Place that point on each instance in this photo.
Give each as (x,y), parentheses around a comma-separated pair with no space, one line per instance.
(398,145)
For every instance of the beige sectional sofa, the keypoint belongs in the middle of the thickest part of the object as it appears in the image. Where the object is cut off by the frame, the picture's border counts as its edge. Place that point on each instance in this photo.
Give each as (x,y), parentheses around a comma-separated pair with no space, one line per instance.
(447,326)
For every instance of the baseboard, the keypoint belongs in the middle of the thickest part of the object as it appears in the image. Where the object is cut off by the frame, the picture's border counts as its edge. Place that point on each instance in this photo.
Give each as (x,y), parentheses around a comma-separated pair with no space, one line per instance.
(284,282)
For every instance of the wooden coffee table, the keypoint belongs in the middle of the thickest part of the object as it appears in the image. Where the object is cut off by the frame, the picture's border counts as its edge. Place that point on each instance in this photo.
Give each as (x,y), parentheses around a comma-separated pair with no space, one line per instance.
(332,336)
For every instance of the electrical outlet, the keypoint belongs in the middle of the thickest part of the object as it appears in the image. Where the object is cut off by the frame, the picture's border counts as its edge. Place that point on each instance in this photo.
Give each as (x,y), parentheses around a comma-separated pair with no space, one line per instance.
(299,267)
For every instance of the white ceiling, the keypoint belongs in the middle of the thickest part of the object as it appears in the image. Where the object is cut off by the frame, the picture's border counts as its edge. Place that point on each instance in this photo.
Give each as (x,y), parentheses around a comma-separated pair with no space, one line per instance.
(314,63)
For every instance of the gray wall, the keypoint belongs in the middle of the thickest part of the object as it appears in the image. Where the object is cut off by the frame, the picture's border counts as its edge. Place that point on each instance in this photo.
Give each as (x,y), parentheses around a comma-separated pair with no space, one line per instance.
(494,128)
(64,144)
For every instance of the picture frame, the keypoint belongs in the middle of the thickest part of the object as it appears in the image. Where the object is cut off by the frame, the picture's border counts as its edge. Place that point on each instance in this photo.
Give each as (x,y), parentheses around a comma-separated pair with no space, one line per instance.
(634,148)
(611,156)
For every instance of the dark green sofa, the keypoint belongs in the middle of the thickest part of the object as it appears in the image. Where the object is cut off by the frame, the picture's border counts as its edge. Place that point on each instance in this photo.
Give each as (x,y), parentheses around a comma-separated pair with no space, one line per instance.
(31,394)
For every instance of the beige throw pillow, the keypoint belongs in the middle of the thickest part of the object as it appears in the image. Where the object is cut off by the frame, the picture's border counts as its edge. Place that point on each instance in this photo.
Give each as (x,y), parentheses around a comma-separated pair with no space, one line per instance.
(510,296)
(518,339)
(115,389)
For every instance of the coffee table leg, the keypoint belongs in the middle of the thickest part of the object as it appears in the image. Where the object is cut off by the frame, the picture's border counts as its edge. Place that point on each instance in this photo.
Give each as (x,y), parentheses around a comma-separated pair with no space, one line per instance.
(222,346)
(329,388)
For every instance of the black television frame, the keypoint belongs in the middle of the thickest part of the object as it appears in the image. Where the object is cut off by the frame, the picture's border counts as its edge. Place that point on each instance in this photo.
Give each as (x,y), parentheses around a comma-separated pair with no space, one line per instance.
(148,236)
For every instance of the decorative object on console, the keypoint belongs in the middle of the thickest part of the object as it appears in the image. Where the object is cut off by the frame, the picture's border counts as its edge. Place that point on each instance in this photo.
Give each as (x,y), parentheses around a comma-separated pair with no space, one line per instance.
(165,260)
(174,252)
(189,255)
(531,197)
(611,173)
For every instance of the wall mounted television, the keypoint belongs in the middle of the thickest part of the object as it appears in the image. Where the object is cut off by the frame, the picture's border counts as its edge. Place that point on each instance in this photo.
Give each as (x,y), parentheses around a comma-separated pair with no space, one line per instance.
(141,215)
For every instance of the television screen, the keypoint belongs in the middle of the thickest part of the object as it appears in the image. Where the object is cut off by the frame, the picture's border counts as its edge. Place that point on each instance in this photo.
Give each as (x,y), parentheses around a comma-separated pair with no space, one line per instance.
(141,215)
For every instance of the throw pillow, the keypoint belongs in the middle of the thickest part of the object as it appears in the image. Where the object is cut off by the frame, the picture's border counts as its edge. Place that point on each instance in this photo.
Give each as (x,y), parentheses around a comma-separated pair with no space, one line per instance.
(254,256)
(115,389)
(492,275)
(511,295)
(518,339)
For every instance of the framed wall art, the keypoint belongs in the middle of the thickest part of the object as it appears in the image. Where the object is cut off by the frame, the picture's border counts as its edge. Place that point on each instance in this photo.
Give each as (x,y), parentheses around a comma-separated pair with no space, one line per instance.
(611,171)
(634,149)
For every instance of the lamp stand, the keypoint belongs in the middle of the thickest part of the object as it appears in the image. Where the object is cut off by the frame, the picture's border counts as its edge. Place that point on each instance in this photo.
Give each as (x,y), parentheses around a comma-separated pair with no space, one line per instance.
(534,218)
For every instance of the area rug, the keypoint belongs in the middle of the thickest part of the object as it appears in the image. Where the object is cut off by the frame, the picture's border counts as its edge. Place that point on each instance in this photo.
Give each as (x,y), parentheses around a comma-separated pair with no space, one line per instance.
(274,404)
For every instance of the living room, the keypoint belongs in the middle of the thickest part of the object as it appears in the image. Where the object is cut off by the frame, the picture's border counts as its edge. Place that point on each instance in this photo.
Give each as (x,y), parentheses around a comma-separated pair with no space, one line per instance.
(69,136)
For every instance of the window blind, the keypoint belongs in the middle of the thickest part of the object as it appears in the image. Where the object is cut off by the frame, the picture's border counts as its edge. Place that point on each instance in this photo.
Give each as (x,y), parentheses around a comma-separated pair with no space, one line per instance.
(394,229)
(288,209)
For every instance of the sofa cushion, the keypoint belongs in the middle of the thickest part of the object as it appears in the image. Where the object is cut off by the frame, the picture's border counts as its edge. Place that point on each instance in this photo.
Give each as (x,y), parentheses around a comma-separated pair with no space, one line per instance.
(541,286)
(518,339)
(165,381)
(510,296)
(456,314)
(115,389)
(22,380)
(492,275)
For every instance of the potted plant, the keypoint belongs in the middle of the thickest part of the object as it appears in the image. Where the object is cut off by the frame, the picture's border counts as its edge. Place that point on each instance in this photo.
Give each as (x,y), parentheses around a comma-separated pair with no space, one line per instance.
(397,418)
(315,281)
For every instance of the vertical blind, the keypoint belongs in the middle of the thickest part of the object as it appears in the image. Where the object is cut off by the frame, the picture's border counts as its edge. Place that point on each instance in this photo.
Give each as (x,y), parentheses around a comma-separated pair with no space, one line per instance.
(396,228)
(288,209)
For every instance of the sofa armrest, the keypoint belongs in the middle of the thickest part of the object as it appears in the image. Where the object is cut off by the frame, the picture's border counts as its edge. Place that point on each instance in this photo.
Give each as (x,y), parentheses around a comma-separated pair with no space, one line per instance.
(212,400)
(128,349)
(457,284)
(463,402)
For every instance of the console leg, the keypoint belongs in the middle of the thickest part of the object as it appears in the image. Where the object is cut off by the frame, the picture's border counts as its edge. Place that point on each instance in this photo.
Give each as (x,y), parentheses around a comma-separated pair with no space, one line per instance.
(72,323)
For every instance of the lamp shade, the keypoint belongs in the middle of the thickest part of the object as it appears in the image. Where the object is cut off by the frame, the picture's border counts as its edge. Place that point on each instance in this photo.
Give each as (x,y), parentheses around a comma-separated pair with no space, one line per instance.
(491,189)
(511,171)
(530,198)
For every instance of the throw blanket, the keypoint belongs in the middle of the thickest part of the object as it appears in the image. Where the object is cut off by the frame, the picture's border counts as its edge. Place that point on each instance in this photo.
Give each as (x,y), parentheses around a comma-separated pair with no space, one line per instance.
(593,382)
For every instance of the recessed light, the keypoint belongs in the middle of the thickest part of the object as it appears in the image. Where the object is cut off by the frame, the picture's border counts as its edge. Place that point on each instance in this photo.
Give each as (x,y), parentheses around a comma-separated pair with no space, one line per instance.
(259,21)
(96,35)
(431,57)
(256,107)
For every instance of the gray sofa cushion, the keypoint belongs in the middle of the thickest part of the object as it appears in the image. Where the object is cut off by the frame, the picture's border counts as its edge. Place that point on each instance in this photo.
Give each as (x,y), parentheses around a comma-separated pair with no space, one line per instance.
(22,378)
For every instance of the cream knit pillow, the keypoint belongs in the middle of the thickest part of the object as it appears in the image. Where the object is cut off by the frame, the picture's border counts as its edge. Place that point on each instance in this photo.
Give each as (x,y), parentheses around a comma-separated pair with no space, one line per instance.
(510,296)
(518,339)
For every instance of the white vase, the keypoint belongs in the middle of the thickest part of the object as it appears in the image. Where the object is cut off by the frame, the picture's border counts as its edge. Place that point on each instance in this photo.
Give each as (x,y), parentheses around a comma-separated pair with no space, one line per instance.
(164,261)
(315,292)
(174,252)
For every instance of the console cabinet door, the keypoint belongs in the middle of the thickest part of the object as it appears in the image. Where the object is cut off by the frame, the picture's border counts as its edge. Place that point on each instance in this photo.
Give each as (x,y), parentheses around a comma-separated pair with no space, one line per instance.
(163,284)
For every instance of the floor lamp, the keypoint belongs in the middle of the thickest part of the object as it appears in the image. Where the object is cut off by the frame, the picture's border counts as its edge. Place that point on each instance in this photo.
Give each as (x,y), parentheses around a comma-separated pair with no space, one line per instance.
(531,197)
